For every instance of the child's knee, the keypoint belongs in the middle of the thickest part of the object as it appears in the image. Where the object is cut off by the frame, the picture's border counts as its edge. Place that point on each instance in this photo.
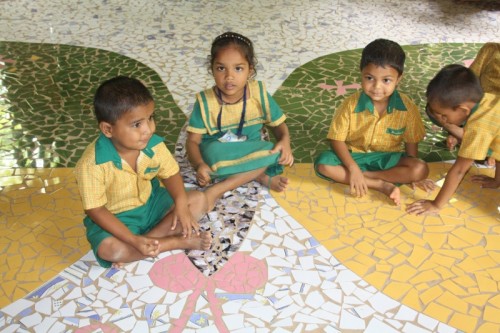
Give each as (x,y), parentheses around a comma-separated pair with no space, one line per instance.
(321,168)
(197,201)
(420,170)
(110,249)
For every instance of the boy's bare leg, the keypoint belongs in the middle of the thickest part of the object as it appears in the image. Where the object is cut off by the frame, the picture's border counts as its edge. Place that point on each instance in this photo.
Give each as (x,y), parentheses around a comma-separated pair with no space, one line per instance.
(216,191)
(276,183)
(340,174)
(408,170)
(161,238)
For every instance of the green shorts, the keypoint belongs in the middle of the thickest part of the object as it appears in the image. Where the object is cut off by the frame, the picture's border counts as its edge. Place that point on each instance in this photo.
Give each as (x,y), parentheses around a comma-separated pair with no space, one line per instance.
(139,220)
(373,161)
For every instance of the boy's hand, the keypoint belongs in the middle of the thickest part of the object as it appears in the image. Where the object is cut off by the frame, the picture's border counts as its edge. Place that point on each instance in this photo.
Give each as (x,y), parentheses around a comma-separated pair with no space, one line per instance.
(422,206)
(148,247)
(284,148)
(203,174)
(427,185)
(188,224)
(451,142)
(485,181)
(357,182)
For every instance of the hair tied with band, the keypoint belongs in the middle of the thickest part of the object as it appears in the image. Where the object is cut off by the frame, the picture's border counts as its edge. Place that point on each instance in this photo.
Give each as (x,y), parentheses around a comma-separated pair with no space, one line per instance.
(235,36)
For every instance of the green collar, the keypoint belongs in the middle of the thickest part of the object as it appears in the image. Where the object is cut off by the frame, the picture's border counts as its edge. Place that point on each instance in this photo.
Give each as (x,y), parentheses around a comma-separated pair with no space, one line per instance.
(365,103)
(474,109)
(105,151)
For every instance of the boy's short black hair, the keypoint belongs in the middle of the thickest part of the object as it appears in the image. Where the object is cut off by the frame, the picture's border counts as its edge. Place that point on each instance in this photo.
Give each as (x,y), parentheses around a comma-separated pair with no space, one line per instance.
(383,52)
(118,95)
(454,84)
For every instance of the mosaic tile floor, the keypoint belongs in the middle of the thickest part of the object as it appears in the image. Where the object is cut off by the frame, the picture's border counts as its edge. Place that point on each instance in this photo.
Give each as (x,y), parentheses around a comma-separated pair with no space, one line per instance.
(310,260)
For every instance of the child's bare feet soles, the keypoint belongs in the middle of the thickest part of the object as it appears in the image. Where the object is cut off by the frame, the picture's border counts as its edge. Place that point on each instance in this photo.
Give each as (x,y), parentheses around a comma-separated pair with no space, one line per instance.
(276,183)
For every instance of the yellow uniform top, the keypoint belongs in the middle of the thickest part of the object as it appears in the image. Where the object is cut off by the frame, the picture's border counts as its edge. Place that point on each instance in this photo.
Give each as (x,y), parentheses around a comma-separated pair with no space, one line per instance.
(364,130)
(482,130)
(260,108)
(104,179)
(487,67)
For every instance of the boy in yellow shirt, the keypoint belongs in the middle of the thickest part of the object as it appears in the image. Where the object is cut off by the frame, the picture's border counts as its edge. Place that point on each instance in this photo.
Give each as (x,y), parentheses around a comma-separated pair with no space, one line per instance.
(486,66)
(371,126)
(455,97)
(129,215)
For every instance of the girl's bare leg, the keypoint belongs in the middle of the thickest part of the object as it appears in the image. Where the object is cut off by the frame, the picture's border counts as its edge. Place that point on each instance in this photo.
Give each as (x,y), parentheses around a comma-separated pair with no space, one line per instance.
(216,191)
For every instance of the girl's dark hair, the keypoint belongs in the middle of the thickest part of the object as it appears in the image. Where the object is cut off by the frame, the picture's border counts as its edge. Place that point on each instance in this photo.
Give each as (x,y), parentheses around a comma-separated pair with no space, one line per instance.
(118,95)
(241,42)
(382,53)
(454,84)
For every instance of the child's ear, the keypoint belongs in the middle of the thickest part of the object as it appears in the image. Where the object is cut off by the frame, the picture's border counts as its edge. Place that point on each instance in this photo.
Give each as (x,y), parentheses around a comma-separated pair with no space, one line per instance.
(251,73)
(106,129)
(465,108)
(399,79)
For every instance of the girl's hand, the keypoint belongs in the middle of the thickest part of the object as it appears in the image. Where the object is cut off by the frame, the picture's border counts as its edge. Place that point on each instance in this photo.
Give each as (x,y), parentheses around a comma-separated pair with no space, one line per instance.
(357,183)
(422,206)
(203,174)
(286,157)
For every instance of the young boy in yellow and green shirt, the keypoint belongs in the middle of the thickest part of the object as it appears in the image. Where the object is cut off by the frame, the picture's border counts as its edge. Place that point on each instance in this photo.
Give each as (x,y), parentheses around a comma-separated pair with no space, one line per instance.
(129,215)
(369,130)
(455,97)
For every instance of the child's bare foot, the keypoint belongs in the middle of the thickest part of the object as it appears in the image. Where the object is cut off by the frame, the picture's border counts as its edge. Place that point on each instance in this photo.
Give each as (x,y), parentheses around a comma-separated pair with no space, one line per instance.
(117,265)
(201,242)
(276,183)
(393,192)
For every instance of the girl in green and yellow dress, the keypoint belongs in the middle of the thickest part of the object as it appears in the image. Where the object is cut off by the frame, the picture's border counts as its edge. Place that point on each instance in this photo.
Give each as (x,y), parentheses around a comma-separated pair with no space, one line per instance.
(225,128)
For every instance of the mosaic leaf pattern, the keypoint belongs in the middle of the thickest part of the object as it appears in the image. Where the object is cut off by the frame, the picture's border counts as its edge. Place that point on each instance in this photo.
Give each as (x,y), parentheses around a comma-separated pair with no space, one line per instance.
(46,94)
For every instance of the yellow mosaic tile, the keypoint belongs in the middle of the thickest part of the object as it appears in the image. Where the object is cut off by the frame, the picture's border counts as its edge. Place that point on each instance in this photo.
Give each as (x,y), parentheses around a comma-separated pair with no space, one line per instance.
(418,255)
(427,276)
(488,328)
(412,300)
(45,232)
(438,312)
(443,264)
(463,322)
(398,290)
